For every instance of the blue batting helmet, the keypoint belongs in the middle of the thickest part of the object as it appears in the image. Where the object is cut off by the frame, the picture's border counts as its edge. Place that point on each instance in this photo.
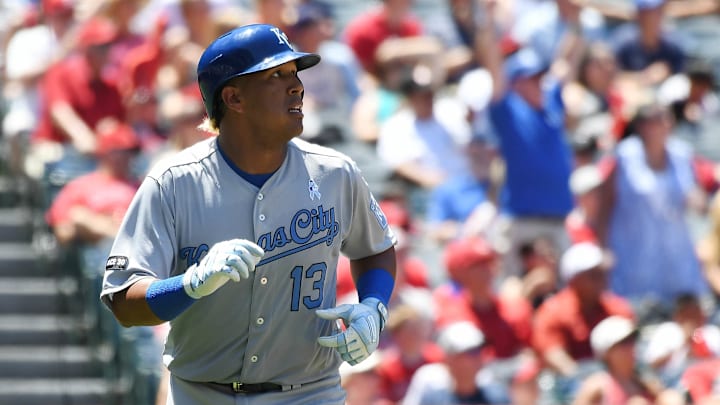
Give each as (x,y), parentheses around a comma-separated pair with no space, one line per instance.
(247,49)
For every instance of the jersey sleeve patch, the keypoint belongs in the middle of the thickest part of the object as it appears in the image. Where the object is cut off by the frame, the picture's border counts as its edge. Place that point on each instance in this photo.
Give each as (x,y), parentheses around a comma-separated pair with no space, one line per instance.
(379,215)
(116,263)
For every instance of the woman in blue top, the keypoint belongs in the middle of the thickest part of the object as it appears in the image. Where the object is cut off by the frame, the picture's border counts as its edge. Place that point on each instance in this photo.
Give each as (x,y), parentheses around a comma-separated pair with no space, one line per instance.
(647,196)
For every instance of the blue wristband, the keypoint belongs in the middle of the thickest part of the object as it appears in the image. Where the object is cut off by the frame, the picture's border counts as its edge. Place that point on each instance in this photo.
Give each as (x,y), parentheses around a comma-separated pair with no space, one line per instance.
(378,283)
(167,298)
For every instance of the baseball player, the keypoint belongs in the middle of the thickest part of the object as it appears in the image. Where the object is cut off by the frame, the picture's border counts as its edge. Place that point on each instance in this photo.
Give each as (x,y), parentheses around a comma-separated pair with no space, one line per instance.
(236,239)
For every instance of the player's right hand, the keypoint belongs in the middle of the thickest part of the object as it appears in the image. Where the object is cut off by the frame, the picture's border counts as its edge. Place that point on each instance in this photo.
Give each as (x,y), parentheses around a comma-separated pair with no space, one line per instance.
(228,260)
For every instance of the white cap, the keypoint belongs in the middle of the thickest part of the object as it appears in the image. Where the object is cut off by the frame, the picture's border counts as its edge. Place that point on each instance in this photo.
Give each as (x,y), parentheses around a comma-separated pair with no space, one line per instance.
(609,332)
(584,179)
(665,340)
(475,89)
(579,258)
(460,337)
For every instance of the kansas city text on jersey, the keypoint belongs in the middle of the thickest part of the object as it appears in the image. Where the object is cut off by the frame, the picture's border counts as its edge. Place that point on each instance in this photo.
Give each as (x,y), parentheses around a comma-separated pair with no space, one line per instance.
(303,227)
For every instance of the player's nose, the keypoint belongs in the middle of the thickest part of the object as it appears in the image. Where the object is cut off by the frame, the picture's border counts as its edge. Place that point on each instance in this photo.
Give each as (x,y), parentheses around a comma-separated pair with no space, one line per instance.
(297,87)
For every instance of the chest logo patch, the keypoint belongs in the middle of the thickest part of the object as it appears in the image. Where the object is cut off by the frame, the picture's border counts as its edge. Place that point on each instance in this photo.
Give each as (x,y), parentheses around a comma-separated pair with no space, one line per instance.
(314,190)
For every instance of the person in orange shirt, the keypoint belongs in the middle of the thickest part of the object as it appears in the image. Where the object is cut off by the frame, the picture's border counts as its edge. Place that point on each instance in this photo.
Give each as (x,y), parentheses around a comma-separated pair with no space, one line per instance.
(562,325)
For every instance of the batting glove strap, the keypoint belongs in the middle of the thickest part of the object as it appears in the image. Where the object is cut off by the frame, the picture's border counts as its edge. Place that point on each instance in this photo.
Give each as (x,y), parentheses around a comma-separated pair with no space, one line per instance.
(363,321)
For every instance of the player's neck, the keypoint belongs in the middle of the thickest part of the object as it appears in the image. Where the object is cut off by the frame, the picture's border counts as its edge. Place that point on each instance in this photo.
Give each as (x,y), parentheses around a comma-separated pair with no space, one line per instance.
(250,156)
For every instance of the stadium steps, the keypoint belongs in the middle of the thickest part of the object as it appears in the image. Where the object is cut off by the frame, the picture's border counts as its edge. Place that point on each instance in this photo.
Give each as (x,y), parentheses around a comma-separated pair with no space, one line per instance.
(47,353)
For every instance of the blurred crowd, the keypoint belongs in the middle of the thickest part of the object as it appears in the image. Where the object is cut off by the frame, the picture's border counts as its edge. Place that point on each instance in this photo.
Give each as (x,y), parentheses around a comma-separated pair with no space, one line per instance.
(549,167)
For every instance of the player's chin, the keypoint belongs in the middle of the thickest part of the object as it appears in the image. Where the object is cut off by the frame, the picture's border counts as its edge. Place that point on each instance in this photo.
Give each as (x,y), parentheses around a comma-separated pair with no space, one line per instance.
(296,127)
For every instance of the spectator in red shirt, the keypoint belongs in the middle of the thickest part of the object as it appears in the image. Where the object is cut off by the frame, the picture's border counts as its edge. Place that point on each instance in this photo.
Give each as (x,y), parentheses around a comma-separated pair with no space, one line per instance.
(471,264)
(505,321)
(77,95)
(585,183)
(89,208)
(702,382)
(367,31)
(410,331)
(562,325)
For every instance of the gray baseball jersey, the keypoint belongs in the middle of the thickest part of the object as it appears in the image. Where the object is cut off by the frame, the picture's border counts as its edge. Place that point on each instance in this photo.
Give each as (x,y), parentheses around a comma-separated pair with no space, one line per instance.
(263,329)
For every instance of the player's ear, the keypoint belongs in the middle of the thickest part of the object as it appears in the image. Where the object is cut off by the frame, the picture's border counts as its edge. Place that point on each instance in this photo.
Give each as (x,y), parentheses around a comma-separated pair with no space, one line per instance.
(232,97)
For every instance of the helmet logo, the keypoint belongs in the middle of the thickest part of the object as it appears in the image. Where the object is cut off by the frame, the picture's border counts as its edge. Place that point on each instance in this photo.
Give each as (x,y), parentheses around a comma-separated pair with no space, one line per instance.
(282,38)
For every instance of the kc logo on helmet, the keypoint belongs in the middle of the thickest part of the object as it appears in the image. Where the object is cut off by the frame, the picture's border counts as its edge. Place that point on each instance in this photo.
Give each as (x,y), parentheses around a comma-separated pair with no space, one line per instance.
(282,38)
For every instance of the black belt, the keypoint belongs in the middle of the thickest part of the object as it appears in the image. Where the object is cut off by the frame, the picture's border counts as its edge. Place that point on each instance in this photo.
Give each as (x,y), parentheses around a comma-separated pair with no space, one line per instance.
(240,388)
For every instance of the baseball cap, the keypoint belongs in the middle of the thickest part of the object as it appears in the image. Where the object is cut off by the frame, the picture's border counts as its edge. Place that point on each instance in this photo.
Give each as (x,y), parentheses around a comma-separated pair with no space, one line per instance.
(609,332)
(115,136)
(524,63)
(311,12)
(460,337)
(461,255)
(584,179)
(581,257)
(666,338)
(475,89)
(96,31)
(648,4)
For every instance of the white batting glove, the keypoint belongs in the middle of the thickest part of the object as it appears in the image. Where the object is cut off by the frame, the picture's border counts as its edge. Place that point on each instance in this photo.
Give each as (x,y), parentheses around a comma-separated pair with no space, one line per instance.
(363,322)
(228,260)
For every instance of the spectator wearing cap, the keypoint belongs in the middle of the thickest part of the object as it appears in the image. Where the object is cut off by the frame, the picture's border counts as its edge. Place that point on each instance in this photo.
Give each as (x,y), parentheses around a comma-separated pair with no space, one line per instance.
(89,208)
(690,93)
(527,114)
(650,55)
(365,32)
(465,205)
(422,142)
(585,182)
(410,331)
(506,322)
(646,197)
(455,379)
(331,90)
(76,97)
(562,324)
(613,342)
(380,95)
(688,337)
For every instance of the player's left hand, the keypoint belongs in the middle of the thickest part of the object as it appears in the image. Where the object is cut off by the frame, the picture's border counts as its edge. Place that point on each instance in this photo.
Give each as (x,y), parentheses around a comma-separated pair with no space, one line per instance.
(363,322)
